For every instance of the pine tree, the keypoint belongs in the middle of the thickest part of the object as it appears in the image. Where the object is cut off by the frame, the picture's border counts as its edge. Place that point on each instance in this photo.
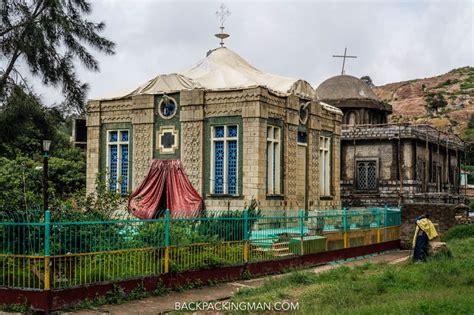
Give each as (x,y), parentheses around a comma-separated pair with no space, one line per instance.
(48,36)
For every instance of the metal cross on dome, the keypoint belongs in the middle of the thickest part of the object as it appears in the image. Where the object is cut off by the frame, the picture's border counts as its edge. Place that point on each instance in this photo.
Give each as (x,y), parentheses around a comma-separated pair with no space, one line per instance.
(344,59)
(222,13)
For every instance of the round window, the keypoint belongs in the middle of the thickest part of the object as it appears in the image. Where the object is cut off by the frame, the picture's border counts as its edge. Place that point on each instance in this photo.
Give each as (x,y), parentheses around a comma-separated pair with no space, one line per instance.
(167,107)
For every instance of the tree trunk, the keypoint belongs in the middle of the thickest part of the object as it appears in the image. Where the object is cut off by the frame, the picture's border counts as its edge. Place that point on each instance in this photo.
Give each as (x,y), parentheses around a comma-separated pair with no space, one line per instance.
(8,70)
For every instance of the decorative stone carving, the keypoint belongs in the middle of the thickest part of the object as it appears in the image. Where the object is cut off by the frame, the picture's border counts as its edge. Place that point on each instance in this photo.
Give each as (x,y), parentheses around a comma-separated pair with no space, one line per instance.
(277,115)
(93,148)
(290,162)
(313,165)
(116,116)
(142,151)
(167,139)
(223,110)
(192,152)
(254,106)
(118,105)
(257,94)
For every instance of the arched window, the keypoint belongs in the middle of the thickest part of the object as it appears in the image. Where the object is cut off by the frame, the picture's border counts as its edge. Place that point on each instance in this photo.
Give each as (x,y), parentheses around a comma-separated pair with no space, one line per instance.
(366,118)
(351,119)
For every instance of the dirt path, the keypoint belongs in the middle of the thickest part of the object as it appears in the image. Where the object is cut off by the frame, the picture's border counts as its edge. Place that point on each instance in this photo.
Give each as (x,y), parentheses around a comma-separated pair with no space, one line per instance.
(161,304)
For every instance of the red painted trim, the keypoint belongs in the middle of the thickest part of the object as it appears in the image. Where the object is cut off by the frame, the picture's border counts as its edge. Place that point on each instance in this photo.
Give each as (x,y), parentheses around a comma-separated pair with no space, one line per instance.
(57,299)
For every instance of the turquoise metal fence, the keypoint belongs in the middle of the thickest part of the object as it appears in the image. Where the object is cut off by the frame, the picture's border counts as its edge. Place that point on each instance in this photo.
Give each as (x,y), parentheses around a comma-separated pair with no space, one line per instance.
(37,252)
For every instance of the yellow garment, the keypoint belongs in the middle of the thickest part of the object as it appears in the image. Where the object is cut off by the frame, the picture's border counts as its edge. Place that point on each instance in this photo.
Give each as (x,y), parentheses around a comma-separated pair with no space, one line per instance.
(427,226)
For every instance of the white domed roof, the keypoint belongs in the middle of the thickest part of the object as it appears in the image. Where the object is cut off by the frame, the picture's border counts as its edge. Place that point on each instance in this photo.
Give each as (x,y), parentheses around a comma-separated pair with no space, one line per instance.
(222,69)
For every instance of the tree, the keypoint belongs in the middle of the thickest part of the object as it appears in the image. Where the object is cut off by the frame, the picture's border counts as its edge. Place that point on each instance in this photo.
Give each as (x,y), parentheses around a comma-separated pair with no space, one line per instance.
(48,35)
(24,123)
(435,101)
(470,123)
(368,80)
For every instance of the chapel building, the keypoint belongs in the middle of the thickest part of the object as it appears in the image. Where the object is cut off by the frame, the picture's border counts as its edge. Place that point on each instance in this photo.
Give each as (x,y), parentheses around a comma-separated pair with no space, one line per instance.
(390,164)
(240,133)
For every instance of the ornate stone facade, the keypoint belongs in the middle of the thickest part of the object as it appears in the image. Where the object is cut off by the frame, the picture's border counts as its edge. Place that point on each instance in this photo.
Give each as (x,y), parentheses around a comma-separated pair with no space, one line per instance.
(240,133)
(192,147)
(252,110)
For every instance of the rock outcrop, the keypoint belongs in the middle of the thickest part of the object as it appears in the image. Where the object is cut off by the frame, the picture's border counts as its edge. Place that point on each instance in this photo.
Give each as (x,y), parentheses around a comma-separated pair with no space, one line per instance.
(410,99)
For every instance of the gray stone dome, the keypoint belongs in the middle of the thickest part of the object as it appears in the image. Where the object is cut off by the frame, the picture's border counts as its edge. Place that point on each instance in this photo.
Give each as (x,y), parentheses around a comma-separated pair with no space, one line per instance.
(344,87)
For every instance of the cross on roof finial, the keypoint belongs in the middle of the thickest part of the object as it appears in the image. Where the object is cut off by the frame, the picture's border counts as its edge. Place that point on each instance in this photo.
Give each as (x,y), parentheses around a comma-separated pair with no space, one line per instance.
(222,13)
(344,59)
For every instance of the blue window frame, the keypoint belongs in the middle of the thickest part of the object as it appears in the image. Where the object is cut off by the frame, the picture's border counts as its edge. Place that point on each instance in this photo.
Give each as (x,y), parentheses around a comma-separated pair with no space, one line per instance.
(224,160)
(118,161)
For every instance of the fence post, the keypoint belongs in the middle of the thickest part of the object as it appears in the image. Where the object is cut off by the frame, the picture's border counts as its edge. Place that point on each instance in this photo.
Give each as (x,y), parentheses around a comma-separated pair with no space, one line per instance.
(378,225)
(385,222)
(167,240)
(344,219)
(302,232)
(47,234)
(246,236)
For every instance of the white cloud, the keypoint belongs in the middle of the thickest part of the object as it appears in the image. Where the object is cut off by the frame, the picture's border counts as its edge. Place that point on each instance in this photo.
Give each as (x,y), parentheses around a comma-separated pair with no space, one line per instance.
(394,40)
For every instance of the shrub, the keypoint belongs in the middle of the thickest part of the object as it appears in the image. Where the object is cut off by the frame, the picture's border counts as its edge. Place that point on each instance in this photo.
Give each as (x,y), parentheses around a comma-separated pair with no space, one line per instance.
(435,101)
(230,225)
(20,184)
(459,232)
(181,233)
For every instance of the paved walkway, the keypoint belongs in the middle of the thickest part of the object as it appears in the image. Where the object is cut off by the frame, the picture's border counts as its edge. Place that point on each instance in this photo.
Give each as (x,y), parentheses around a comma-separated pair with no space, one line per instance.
(161,304)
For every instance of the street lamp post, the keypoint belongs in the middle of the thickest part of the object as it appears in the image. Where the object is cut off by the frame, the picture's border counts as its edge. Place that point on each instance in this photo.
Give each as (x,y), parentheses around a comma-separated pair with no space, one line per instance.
(46,145)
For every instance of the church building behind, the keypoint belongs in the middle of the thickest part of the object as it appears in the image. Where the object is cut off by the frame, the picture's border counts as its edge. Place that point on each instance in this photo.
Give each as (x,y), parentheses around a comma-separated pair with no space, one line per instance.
(394,164)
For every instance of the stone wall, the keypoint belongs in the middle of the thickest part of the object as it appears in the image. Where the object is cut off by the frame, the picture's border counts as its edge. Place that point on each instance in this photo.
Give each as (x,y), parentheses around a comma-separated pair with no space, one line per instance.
(405,131)
(417,171)
(137,111)
(442,214)
(380,151)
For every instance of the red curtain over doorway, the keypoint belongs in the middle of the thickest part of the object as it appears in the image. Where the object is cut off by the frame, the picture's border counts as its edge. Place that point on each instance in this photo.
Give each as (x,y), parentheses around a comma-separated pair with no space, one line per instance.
(166,186)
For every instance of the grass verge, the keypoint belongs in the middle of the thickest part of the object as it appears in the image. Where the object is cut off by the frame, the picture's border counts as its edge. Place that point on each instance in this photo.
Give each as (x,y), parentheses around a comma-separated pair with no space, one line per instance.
(442,285)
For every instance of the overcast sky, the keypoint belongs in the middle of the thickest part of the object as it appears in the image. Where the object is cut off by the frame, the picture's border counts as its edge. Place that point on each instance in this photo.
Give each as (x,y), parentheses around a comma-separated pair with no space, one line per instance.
(393,40)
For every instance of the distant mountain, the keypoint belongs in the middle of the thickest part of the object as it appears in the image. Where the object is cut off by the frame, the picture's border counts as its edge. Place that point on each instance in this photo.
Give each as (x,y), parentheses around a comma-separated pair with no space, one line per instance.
(445,101)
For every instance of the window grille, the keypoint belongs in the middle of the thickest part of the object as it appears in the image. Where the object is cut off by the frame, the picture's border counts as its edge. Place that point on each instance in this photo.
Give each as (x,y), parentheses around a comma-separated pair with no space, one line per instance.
(367,175)
(224,159)
(118,160)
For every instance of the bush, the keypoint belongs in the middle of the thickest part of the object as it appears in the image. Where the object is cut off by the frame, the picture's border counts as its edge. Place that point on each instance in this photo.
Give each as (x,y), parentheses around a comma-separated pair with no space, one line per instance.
(435,101)
(181,233)
(65,237)
(230,225)
(21,181)
(20,184)
(459,232)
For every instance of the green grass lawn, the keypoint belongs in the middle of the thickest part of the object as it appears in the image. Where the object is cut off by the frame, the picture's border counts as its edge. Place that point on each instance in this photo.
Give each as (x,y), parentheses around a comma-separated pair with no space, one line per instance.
(443,285)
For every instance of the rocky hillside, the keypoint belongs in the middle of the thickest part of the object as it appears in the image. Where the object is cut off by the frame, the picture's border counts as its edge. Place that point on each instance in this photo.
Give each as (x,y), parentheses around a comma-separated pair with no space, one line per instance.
(445,101)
